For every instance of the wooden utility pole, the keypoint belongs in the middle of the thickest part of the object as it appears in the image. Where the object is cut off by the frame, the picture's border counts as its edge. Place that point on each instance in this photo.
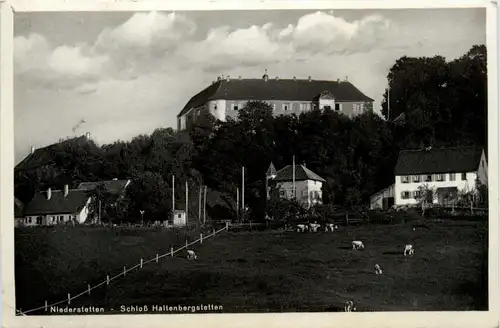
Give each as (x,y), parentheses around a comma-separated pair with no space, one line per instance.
(205,206)
(243,188)
(173,198)
(199,205)
(237,203)
(187,202)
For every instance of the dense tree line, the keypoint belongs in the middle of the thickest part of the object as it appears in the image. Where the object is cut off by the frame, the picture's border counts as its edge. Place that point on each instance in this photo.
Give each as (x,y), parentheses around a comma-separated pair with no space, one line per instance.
(444,104)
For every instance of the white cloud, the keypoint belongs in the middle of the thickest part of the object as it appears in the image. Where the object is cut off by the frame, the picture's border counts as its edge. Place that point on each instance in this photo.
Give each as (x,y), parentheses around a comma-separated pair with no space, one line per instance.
(136,76)
(71,61)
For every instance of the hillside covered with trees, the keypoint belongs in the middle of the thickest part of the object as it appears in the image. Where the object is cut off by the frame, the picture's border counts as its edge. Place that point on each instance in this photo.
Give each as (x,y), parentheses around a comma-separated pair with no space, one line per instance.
(444,104)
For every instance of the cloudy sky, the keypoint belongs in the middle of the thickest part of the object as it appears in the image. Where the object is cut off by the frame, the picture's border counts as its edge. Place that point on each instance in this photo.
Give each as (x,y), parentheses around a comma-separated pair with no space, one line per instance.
(130,73)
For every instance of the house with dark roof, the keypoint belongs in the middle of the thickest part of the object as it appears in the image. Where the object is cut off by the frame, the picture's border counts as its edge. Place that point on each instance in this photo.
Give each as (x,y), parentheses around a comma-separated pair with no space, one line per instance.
(447,170)
(43,156)
(53,207)
(114,187)
(224,97)
(308,185)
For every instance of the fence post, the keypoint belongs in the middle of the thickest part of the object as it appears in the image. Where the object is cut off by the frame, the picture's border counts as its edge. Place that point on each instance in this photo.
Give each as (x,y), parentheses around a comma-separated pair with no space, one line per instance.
(227,226)
(172,251)
(201,238)
(141,263)
(46,306)
(347,219)
(156,258)
(124,270)
(107,279)
(69,299)
(186,243)
(214,232)
(88,288)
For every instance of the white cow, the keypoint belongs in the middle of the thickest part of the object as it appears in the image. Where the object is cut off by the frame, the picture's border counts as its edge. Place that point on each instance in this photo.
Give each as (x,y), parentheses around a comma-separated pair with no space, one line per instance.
(330,227)
(409,249)
(378,269)
(302,228)
(191,255)
(314,227)
(356,244)
(349,306)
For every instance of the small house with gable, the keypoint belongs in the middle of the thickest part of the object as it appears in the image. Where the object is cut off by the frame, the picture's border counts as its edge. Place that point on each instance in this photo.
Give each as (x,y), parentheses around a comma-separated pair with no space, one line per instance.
(54,207)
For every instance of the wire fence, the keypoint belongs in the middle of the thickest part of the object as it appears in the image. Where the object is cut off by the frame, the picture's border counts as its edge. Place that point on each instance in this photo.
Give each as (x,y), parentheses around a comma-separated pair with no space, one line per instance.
(124,272)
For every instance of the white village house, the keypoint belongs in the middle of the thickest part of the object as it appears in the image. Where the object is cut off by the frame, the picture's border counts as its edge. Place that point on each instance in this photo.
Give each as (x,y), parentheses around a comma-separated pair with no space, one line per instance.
(53,207)
(447,170)
(307,184)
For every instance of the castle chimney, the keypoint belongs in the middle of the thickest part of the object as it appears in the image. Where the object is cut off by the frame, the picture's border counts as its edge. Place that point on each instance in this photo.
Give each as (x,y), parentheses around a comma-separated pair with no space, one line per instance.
(66,190)
(294,78)
(310,79)
(239,77)
(218,78)
(228,78)
(277,78)
(87,135)
(32,149)
(346,79)
(338,80)
(49,193)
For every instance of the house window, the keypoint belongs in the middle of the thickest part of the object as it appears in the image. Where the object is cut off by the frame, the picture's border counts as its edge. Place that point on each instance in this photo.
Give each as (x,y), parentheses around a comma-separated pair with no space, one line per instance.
(416,194)
(416,178)
(282,193)
(179,216)
(235,107)
(307,106)
(301,107)
(440,177)
(274,107)
(337,107)
(428,178)
(405,194)
(464,176)
(405,179)
(286,106)
(452,176)
(215,106)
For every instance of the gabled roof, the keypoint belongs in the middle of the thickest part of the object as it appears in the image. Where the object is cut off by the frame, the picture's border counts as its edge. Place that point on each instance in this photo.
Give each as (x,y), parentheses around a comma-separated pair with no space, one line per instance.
(42,156)
(438,160)
(57,204)
(18,208)
(301,173)
(111,186)
(272,89)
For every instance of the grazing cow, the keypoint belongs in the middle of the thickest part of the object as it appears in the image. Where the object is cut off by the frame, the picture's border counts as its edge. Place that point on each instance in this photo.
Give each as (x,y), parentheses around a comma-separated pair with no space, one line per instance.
(409,249)
(330,227)
(314,227)
(378,269)
(191,255)
(349,306)
(356,244)
(302,228)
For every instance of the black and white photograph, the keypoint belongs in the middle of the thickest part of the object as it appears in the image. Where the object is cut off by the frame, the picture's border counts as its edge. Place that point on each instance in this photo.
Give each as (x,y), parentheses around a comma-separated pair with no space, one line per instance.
(251,161)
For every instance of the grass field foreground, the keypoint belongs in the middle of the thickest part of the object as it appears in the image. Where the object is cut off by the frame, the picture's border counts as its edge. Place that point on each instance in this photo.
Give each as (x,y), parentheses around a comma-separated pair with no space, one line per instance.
(261,271)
